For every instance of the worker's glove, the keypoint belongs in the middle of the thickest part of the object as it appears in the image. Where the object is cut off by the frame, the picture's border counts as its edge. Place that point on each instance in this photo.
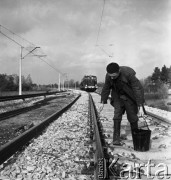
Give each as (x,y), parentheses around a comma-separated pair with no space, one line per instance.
(140,111)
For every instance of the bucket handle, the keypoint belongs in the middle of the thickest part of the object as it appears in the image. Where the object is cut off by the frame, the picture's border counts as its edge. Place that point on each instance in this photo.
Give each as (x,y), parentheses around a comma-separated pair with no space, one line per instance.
(145,117)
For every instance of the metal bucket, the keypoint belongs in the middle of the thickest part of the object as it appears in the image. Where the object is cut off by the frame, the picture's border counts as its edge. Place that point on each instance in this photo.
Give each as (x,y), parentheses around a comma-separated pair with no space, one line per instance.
(141,139)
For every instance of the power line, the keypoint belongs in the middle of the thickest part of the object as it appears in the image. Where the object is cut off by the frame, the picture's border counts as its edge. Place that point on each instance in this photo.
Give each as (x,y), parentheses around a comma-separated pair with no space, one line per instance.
(104,51)
(99,33)
(50,65)
(16,35)
(100,23)
(12,39)
(100,29)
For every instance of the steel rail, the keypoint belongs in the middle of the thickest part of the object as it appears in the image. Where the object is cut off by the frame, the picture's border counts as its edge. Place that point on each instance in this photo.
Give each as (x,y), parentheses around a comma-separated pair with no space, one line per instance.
(9,98)
(158,117)
(100,171)
(12,113)
(7,150)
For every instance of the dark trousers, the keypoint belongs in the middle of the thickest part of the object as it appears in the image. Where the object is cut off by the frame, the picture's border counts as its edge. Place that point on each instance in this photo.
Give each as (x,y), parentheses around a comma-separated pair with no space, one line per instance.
(131,110)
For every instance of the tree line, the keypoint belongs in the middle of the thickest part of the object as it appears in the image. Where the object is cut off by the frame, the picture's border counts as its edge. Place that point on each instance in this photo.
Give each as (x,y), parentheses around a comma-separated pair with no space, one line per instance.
(11,83)
(159,79)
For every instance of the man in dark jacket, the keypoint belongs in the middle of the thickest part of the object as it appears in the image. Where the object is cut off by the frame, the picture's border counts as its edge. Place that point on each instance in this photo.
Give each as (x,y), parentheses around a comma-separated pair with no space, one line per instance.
(127,94)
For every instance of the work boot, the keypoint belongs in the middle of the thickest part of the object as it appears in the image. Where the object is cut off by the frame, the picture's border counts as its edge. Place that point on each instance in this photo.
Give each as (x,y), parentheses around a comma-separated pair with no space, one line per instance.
(116,133)
(134,125)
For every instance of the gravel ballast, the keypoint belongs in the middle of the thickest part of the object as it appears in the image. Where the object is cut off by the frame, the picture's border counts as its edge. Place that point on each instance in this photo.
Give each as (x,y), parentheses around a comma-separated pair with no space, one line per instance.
(59,153)
(17,124)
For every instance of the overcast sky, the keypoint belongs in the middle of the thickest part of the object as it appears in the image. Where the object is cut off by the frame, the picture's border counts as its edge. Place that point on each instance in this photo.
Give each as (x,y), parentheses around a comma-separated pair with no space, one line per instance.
(135,33)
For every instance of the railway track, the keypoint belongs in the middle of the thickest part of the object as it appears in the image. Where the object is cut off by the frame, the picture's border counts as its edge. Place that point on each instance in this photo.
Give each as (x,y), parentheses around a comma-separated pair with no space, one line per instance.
(78,146)
(25,96)
(58,152)
(14,145)
(27,100)
(120,162)
(29,113)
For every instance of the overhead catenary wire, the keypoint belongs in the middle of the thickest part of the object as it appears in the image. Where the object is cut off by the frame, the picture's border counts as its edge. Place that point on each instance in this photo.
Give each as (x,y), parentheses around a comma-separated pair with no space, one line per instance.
(1,26)
(99,29)
(49,64)
(11,39)
(100,22)
(105,51)
(21,45)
